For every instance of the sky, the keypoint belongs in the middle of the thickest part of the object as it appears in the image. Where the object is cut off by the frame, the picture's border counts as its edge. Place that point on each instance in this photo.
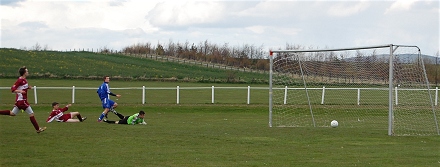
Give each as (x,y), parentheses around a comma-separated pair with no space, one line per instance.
(92,24)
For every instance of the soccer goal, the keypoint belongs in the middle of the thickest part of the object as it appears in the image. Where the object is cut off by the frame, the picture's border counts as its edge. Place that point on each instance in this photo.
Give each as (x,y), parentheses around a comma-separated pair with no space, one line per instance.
(376,87)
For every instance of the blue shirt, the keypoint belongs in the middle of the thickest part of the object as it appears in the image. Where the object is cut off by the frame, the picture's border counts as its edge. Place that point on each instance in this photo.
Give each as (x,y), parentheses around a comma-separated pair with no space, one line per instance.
(104,91)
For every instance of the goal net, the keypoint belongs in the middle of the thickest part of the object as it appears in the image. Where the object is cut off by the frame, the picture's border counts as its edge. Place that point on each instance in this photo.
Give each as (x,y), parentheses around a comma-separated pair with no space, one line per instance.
(377,87)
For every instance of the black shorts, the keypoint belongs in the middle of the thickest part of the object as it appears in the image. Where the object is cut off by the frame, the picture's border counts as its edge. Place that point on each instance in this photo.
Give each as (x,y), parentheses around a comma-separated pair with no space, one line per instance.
(123,121)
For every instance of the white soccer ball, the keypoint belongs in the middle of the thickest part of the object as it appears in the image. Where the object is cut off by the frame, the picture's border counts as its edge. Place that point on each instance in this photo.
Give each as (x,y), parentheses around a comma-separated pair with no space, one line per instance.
(334,124)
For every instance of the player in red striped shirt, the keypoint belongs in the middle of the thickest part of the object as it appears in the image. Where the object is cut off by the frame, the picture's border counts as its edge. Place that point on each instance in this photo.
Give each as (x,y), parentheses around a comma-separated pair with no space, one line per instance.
(20,89)
(58,114)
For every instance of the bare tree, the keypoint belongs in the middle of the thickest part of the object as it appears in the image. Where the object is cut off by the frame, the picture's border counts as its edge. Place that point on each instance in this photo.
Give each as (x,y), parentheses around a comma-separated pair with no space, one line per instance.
(171,48)
(159,49)
(46,47)
(36,47)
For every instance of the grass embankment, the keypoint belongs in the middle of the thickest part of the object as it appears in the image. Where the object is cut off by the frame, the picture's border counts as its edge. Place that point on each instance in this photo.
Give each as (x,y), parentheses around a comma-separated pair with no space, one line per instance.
(88,65)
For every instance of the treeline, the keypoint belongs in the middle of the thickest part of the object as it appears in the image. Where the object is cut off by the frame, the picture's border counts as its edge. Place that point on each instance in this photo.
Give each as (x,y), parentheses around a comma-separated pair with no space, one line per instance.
(246,56)
(256,57)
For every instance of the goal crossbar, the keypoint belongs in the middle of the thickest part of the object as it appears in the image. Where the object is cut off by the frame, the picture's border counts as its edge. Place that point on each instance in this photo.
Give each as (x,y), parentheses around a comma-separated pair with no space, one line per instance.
(340,49)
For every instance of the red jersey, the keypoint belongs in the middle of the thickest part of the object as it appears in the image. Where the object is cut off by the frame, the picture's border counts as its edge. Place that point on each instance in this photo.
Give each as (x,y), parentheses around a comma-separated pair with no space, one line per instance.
(20,84)
(58,115)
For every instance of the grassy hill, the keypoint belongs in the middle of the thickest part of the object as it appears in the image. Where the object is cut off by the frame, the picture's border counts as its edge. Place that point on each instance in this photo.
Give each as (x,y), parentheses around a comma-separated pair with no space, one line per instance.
(88,65)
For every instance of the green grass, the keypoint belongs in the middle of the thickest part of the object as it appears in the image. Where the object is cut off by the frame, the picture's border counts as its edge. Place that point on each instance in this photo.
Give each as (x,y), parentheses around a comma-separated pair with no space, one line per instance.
(194,134)
(88,65)
(202,135)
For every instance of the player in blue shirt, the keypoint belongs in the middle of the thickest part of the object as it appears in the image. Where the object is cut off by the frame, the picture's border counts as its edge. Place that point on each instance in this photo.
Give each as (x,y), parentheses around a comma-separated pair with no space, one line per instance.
(107,104)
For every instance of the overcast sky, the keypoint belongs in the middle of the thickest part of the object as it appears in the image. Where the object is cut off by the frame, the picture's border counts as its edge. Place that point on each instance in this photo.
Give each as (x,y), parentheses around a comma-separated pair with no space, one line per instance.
(70,24)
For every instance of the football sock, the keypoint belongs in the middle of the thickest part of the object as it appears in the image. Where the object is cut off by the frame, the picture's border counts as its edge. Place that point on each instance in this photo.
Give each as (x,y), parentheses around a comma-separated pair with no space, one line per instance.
(5,112)
(110,122)
(34,122)
(120,116)
(79,117)
(102,116)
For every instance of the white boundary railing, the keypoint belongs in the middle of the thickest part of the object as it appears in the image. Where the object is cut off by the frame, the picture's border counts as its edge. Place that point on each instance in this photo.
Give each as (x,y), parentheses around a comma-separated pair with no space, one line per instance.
(178,88)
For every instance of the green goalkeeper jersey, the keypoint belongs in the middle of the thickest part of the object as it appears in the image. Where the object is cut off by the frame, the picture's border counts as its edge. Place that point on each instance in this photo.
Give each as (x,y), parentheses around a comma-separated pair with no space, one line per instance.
(134,119)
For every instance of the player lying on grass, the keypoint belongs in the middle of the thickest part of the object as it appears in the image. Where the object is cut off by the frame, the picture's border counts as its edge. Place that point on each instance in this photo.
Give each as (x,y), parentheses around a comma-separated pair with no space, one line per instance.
(137,118)
(58,114)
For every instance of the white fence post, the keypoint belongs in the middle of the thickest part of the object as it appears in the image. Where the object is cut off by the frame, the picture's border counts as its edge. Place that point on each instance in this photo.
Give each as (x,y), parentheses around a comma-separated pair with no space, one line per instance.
(323,94)
(178,95)
(212,101)
(73,94)
(249,95)
(285,95)
(359,97)
(436,96)
(397,99)
(35,94)
(143,94)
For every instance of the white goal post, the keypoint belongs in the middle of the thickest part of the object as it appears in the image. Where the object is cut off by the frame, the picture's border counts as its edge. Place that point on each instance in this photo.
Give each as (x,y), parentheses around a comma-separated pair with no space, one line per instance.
(383,87)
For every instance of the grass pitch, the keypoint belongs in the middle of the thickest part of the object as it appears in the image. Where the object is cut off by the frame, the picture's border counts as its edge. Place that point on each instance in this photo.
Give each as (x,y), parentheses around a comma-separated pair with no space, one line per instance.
(202,135)
(193,134)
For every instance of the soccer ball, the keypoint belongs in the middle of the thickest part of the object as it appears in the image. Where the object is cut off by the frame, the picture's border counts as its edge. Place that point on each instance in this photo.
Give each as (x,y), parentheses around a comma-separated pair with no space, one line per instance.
(334,124)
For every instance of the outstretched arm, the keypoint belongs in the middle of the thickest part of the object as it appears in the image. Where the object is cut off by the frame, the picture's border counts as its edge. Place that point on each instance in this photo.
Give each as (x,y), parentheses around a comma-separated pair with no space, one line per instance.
(114,94)
(66,108)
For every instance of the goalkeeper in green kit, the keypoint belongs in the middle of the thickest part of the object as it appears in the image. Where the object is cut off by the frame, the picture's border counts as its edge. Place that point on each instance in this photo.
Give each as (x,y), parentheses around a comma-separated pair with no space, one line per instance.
(134,119)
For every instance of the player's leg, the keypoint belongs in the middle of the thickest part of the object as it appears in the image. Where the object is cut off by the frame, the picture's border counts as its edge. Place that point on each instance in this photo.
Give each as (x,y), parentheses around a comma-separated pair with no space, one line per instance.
(124,120)
(77,115)
(72,120)
(15,111)
(106,105)
(103,114)
(115,112)
(112,109)
(113,106)
(110,122)
(118,114)
(6,112)
(33,120)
